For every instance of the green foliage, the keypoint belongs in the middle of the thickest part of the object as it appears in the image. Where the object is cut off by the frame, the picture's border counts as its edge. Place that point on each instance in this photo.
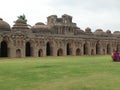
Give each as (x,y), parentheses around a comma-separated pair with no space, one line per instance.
(60,73)
(22,17)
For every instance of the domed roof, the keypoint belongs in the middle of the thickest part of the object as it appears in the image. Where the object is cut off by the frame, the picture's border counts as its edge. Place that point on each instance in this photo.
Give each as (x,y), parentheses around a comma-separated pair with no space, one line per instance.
(79,31)
(4,25)
(88,30)
(40,25)
(116,33)
(108,32)
(99,32)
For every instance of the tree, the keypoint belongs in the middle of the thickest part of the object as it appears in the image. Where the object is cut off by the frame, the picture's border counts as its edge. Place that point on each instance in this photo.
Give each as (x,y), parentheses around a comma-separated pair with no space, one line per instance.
(22,17)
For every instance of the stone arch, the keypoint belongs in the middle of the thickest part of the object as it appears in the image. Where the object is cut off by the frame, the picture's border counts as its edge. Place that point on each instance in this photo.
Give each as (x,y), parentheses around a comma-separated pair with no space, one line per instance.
(48,49)
(104,52)
(28,49)
(18,53)
(85,49)
(108,49)
(78,52)
(92,51)
(68,49)
(98,48)
(60,52)
(4,49)
(40,52)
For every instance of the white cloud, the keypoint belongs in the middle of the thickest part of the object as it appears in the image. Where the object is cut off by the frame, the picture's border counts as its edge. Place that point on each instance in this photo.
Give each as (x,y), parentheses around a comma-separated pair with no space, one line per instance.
(86,13)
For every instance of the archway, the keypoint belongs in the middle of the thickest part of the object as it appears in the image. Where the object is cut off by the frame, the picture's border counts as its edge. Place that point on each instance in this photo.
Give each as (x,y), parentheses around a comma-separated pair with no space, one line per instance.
(68,49)
(60,52)
(48,49)
(97,48)
(78,51)
(104,52)
(40,53)
(28,49)
(4,49)
(18,53)
(85,47)
(108,49)
(92,52)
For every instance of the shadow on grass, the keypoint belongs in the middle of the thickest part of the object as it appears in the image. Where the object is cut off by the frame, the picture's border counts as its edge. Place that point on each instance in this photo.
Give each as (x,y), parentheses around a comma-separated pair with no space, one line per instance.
(46,66)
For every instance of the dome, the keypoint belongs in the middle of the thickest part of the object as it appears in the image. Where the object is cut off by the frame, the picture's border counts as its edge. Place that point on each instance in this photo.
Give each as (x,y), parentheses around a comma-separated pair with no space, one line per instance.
(40,25)
(88,30)
(99,32)
(108,32)
(4,25)
(116,33)
(79,31)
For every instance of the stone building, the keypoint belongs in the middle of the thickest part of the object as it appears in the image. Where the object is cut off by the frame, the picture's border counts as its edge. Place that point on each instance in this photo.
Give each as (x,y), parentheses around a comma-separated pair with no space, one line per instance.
(59,37)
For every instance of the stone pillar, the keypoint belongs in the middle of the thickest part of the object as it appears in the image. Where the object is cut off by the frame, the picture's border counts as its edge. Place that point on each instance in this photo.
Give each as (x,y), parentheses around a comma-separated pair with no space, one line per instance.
(12,52)
(44,51)
(64,51)
(89,50)
(23,50)
(82,51)
(34,52)
(54,51)
(73,51)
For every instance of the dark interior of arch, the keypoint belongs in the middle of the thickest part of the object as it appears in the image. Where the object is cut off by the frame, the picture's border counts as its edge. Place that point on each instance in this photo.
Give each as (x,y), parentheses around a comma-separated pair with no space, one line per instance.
(48,49)
(28,49)
(68,49)
(3,49)
(40,53)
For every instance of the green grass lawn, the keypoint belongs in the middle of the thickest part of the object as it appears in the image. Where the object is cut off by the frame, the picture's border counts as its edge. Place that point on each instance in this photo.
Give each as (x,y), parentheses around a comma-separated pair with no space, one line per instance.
(60,73)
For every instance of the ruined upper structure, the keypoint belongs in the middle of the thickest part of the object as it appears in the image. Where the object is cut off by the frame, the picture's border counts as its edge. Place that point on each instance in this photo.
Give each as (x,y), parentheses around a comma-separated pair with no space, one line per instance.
(59,37)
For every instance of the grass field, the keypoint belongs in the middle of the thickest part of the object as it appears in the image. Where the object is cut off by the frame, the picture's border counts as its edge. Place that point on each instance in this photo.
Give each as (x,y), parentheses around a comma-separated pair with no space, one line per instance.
(60,73)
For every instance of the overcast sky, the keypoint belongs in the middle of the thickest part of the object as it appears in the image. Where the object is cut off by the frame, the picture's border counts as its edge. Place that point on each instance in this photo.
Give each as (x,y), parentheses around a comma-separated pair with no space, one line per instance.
(104,14)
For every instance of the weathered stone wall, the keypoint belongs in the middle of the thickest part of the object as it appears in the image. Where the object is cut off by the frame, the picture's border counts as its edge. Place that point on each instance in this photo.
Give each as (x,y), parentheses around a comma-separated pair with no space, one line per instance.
(60,37)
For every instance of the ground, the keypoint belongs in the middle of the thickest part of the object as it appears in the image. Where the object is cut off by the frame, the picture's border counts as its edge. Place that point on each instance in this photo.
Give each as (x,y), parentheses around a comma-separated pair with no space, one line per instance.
(60,73)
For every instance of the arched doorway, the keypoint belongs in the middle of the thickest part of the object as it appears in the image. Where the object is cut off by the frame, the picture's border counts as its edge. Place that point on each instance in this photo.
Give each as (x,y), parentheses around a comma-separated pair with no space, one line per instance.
(92,52)
(4,49)
(60,52)
(18,53)
(108,49)
(103,51)
(85,47)
(68,49)
(28,49)
(48,49)
(40,53)
(97,48)
(78,51)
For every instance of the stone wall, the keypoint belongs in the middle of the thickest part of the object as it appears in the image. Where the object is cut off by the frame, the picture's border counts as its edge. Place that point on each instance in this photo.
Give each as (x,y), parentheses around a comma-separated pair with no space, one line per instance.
(60,37)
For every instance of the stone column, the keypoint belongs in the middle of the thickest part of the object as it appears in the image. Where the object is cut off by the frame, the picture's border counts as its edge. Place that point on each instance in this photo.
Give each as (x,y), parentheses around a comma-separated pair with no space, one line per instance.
(64,51)
(73,51)
(54,51)
(23,50)
(12,51)
(44,51)
(82,51)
